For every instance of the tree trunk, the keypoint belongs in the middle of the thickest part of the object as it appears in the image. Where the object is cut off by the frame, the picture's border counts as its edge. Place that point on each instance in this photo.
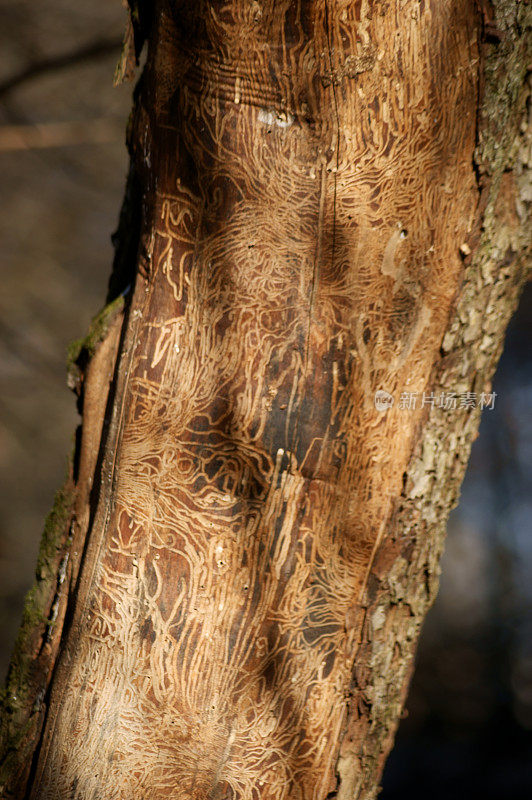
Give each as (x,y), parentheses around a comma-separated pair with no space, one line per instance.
(326,200)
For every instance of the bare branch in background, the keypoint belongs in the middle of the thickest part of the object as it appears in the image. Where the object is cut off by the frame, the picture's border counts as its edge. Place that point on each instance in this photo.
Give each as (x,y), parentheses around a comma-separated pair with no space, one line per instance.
(61,134)
(89,52)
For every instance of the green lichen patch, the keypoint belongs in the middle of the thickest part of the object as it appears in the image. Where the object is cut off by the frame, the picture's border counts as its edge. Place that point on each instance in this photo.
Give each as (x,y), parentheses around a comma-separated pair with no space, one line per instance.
(22,694)
(80,351)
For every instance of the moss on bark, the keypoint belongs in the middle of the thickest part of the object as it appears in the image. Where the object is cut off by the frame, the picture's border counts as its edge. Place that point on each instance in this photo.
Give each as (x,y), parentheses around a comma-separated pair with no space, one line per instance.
(23,694)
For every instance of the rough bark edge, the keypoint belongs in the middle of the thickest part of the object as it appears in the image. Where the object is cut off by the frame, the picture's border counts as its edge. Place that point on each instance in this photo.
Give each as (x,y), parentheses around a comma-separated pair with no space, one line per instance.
(35,653)
(401,592)
(82,350)
(137,31)
(21,699)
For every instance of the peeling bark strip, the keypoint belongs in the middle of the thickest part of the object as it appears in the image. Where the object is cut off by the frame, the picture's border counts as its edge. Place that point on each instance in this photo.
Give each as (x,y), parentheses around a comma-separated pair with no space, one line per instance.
(261,542)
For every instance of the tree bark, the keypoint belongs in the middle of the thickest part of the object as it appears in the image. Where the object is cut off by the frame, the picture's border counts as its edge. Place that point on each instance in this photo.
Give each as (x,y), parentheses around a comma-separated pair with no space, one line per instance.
(326,200)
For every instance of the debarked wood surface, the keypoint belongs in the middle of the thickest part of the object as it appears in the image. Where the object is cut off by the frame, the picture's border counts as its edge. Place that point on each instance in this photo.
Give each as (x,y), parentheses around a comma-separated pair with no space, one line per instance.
(308,178)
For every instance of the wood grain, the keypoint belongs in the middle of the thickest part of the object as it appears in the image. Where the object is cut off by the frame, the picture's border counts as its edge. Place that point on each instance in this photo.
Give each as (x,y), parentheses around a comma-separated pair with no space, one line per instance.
(307,172)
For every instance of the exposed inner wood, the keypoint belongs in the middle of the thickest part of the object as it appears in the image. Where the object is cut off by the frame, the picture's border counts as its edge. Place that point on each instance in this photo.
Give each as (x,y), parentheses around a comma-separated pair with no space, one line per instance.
(308,183)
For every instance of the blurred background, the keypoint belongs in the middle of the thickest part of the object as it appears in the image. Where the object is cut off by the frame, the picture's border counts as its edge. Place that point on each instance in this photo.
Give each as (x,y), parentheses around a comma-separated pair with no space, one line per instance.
(467,732)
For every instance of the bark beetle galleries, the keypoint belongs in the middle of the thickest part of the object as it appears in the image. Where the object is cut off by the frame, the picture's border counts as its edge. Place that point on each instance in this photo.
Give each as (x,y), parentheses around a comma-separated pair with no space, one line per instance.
(308,179)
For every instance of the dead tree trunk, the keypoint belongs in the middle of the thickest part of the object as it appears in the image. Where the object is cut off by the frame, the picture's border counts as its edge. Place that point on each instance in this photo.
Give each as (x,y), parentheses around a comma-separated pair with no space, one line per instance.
(326,201)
